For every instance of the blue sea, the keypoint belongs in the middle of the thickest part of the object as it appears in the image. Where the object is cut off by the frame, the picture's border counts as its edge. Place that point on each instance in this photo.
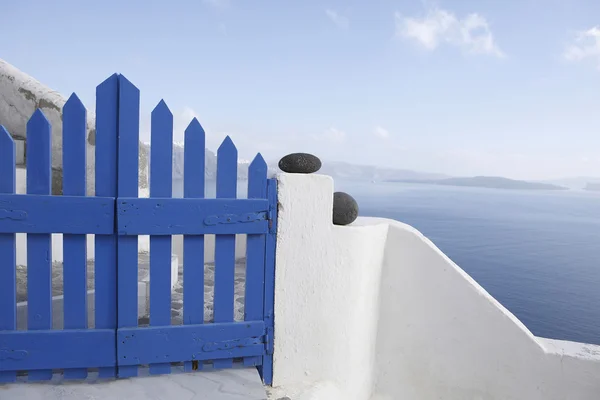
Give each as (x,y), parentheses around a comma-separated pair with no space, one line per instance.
(537,252)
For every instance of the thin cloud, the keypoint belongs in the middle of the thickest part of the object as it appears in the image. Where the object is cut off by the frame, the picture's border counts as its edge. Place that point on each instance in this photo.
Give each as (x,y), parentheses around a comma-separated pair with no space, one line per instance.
(331,135)
(381,132)
(339,20)
(585,46)
(472,33)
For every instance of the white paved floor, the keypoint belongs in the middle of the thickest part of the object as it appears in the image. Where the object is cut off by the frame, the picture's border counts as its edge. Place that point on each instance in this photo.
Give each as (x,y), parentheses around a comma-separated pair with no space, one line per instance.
(227,384)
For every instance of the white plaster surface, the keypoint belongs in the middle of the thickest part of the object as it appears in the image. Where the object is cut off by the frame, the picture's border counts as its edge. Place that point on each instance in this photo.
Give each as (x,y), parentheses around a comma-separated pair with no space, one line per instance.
(326,299)
(441,335)
(374,311)
(229,384)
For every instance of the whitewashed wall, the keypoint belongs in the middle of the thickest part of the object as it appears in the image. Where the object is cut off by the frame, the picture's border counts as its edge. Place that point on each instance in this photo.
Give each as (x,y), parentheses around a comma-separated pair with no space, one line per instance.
(374,311)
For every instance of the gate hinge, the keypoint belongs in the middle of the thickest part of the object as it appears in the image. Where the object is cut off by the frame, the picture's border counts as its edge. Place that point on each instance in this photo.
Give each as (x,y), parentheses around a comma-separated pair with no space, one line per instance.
(269,341)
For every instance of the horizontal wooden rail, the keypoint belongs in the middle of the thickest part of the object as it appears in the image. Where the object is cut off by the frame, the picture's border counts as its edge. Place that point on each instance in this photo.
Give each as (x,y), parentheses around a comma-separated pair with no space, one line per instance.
(55,349)
(188,216)
(190,342)
(24,213)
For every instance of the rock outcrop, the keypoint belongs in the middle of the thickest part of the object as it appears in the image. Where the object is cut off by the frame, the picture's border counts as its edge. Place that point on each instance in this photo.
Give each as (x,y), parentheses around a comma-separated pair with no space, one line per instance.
(21,95)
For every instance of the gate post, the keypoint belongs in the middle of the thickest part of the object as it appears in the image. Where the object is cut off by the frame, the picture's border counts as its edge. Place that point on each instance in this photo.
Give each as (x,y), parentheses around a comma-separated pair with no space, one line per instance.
(266,370)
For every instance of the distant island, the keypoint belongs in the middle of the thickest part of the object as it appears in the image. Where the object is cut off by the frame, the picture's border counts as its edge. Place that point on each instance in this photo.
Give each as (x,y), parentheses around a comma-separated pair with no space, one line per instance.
(593,187)
(490,182)
(368,173)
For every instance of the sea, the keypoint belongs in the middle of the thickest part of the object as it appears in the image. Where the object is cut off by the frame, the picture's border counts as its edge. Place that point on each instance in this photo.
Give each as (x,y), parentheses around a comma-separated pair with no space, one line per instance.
(536,252)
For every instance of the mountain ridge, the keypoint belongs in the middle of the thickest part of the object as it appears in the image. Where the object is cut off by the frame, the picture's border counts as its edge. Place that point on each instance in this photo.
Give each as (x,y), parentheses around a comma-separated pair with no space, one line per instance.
(490,182)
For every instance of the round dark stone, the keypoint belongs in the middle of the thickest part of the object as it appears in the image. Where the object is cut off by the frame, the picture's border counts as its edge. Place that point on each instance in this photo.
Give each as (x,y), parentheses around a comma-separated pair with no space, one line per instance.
(345,208)
(300,163)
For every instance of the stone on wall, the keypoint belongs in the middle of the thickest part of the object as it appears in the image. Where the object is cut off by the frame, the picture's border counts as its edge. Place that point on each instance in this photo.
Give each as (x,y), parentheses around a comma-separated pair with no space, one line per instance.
(300,163)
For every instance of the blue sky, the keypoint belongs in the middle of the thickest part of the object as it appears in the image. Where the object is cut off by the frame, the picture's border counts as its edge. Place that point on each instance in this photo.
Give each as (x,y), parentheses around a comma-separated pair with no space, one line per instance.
(463,87)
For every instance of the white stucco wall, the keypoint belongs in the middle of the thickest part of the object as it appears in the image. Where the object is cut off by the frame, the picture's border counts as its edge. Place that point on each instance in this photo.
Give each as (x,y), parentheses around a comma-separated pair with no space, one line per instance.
(374,311)
(326,297)
(441,335)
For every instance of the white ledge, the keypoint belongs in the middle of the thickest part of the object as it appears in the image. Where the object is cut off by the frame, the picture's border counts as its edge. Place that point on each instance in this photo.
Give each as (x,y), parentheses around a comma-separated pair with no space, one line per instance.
(375,311)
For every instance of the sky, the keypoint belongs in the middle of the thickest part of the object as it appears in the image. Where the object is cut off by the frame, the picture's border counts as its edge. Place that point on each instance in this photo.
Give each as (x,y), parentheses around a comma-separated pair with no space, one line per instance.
(463,87)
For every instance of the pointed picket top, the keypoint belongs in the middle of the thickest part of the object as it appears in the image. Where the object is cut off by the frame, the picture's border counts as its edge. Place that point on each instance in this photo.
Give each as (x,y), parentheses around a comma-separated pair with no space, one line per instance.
(161,127)
(227,169)
(39,154)
(73,104)
(161,151)
(124,79)
(258,164)
(108,81)
(106,96)
(37,121)
(227,147)
(126,85)
(74,131)
(162,110)
(6,139)
(257,178)
(194,128)
(7,162)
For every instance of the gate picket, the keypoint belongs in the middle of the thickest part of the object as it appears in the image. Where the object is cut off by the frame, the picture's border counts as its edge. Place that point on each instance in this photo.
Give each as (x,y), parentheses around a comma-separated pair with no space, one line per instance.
(105,257)
(74,246)
(39,245)
(225,244)
(127,266)
(8,271)
(193,245)
(161,165)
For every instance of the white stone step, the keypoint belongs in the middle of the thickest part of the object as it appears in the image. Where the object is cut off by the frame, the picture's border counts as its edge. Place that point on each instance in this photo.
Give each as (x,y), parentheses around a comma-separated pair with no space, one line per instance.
(226,384)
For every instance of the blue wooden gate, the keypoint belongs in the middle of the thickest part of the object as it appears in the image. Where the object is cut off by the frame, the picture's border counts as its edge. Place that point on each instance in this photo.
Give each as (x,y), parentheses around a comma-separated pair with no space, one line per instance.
(117,345)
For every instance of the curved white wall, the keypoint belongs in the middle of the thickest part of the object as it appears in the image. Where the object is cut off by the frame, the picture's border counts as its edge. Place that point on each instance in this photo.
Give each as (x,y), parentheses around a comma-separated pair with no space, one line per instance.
(375,311)
(441,335)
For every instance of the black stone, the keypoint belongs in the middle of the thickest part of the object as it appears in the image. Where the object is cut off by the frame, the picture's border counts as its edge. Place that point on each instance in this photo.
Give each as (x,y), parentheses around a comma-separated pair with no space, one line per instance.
(345,208)
(300,163)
